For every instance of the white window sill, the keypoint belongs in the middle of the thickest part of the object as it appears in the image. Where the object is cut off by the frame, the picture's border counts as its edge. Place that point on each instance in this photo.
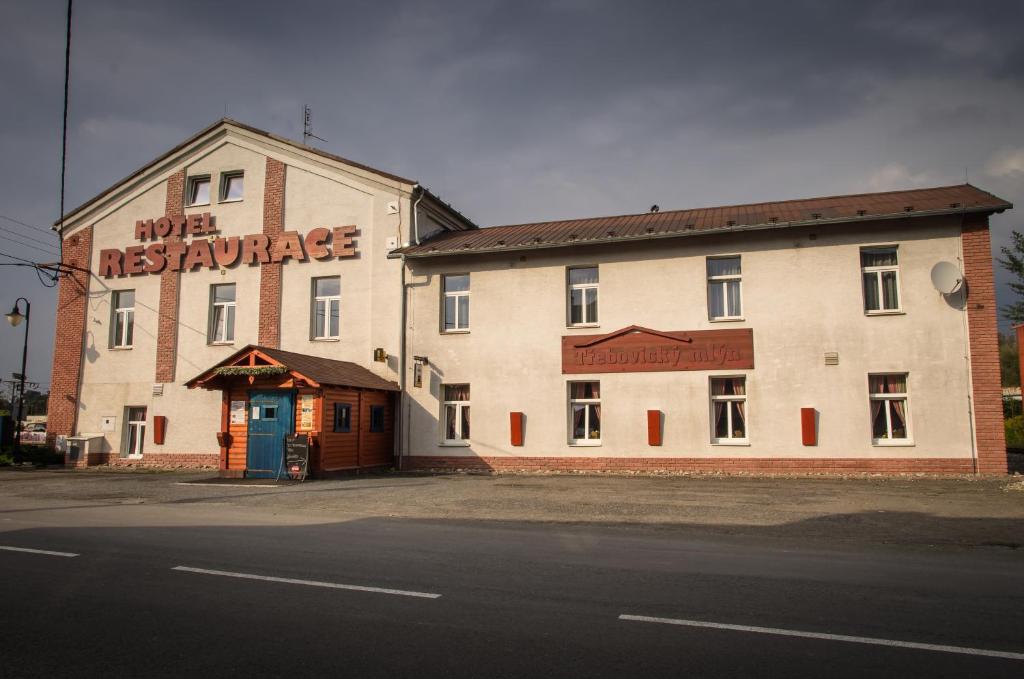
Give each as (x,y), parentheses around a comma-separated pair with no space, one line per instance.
(121,348)
(222,344)
(133,457)
(892,312)
(730,442)
(455,332)
(454,444)
(892,443)
(585,443)
(726,319)
(325,339)
(583,325)
(230,200)
(207,204)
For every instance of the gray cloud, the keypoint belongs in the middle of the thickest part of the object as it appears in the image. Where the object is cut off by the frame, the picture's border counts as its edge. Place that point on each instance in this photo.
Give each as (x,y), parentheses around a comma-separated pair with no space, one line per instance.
(525,111)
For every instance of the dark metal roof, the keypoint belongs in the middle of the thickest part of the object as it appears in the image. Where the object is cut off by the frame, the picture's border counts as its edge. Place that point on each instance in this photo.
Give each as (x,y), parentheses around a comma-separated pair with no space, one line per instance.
(324,371)
(832,209)
(329,370)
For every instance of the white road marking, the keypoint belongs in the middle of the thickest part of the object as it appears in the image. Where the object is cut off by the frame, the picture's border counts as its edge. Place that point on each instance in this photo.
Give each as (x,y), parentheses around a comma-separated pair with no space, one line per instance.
(227,485)
(308,583)
(36,551)
(829,637)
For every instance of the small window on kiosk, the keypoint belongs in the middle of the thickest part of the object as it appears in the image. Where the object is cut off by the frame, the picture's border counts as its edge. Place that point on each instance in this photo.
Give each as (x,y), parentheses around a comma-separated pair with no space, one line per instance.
(269,412)
(342,417)
(377,418)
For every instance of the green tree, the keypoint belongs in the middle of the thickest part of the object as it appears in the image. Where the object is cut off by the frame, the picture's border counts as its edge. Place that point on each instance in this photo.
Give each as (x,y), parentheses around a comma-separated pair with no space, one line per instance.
(1013,261)
(1009,360)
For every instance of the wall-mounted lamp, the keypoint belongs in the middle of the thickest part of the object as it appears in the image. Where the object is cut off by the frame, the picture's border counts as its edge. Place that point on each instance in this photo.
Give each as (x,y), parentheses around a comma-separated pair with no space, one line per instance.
(380,355)
(417,370)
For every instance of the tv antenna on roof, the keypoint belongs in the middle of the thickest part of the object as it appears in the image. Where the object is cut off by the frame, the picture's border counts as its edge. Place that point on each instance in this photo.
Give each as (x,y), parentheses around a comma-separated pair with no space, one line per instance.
(307,125)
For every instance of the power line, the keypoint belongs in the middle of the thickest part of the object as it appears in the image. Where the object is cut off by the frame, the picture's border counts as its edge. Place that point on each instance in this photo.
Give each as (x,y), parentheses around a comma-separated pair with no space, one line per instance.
(37,228)
(26,237)
(28,245)
(20,259)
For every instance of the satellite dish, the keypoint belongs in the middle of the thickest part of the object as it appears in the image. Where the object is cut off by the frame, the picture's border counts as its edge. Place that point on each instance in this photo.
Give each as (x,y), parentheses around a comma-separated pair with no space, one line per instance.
(946,277)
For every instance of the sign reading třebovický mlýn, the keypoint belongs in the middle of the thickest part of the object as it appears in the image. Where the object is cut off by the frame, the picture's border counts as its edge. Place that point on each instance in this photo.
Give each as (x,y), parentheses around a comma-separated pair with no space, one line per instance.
(636,349)
(219,251)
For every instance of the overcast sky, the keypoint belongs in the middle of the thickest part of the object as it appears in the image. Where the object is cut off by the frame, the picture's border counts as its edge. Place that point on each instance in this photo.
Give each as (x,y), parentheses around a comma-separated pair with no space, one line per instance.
(519,111)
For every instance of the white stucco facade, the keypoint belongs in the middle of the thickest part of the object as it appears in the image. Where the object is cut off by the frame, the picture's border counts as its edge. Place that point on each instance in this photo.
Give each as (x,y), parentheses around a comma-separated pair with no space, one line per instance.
(801,297)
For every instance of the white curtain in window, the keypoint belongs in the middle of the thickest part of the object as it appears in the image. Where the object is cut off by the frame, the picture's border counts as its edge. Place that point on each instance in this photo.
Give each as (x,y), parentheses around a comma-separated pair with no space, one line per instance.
(716,299)
(724,266)
(886,257)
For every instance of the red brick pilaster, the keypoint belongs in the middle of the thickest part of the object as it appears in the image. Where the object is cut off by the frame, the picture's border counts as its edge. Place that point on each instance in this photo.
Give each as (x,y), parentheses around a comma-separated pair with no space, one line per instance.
(70,335)
(270,273)
(984,345)
(167,319)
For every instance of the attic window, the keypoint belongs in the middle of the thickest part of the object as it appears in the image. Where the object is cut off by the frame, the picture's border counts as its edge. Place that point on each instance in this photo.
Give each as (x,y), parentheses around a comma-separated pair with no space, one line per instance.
(199,190)
(231,186)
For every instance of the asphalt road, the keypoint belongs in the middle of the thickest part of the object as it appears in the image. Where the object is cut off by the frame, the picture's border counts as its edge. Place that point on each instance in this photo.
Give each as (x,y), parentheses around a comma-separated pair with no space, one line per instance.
(481,599)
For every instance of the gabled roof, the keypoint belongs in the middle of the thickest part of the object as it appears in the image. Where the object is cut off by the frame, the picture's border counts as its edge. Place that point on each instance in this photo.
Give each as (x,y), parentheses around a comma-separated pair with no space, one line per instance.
(313,369)
(223,122)
(943,200)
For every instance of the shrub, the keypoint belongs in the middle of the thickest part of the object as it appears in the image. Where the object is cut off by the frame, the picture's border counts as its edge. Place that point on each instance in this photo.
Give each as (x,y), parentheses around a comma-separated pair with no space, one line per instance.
(1014,432)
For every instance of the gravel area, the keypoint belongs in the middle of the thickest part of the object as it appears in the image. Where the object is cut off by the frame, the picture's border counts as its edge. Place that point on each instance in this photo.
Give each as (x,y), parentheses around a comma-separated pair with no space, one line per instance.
(966,512)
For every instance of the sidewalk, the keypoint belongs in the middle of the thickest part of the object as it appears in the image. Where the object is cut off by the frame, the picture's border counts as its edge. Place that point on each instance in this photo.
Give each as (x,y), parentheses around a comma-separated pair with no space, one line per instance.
(964,512)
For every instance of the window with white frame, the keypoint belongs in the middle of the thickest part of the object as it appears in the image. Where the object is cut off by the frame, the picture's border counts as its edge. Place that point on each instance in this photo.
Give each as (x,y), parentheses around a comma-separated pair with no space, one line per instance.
(584,413)
(123,319)
(455,413)
(880,272)
(222,314)
(890,416)
(199,190)
(724,294)
(456,302)
(326,307)
(583,283)
(231,186)
(729,410)
(135,434)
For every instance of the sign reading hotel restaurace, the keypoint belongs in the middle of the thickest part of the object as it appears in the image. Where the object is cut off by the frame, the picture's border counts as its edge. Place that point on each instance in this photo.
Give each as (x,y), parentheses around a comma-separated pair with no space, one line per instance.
(636,349)
(207,250)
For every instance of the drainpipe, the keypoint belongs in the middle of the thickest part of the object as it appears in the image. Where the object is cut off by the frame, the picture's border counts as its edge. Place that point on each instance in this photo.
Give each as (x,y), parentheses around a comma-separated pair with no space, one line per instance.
(416,213)
(403,405)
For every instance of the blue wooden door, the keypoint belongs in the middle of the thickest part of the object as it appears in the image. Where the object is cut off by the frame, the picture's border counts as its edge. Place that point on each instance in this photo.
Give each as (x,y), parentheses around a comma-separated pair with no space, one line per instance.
(271,418)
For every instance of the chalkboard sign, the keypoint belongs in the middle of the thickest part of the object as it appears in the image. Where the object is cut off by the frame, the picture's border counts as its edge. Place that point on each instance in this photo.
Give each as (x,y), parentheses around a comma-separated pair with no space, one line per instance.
(296,456)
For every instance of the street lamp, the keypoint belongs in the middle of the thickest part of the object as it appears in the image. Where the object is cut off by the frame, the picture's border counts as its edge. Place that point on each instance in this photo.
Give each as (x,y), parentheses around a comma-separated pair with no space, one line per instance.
(15,318)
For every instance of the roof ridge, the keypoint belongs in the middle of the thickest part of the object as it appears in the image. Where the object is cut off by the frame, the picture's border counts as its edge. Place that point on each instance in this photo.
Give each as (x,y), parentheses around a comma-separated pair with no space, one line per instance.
(740,205)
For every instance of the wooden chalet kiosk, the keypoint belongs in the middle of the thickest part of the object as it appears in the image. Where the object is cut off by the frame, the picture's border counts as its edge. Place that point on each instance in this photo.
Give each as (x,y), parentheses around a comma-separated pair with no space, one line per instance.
(347,412)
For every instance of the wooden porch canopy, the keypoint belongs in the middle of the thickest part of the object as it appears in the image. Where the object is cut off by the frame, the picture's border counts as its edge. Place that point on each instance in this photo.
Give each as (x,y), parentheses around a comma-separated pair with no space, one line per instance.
(260,363)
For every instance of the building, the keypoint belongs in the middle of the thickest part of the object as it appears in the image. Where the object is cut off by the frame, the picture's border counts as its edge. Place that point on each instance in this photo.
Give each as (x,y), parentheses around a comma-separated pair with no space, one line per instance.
(241,271)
